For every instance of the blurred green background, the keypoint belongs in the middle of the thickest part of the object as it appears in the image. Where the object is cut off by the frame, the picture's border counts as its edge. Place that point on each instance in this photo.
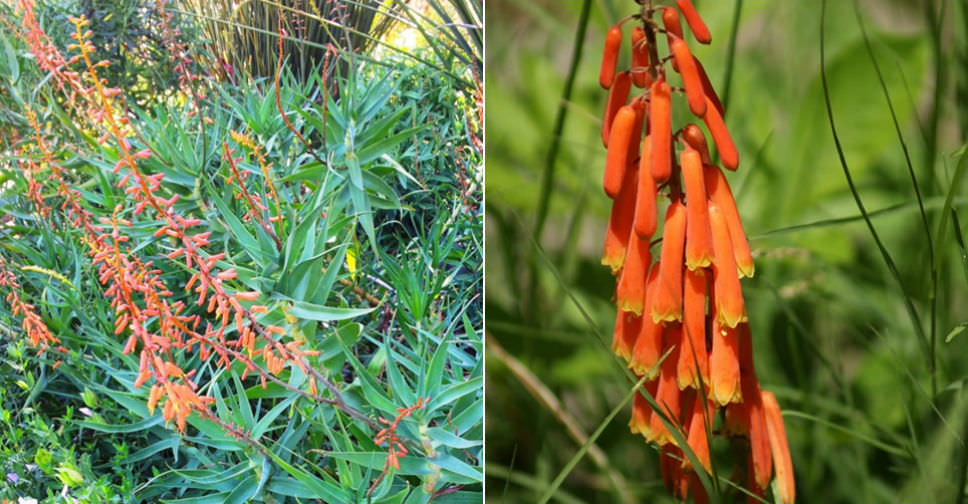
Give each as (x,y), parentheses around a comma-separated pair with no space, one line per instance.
(869,366)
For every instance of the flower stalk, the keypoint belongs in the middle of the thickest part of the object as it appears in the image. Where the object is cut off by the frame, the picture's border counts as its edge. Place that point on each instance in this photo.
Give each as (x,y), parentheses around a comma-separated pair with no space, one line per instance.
(682,319)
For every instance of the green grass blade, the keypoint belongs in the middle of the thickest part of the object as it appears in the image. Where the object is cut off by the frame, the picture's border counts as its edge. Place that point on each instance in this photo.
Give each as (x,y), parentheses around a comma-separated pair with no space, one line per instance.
(908,302)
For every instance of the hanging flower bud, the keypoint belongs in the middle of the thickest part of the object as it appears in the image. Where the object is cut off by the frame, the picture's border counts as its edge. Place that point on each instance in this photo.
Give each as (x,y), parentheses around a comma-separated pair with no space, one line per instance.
(613,42)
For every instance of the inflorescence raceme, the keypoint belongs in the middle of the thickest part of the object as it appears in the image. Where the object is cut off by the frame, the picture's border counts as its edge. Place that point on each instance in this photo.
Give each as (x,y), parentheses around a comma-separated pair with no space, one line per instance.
(153,326)
(682,321)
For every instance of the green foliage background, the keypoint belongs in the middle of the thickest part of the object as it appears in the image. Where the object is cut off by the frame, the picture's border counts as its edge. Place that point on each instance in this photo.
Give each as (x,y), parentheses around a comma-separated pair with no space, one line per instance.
(874,412)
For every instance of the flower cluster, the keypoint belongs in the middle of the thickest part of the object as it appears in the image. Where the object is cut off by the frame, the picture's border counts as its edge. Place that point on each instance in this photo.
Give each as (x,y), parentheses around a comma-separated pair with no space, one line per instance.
(144,310)
(178,51)
(37,332)
(396,448)
(682,320)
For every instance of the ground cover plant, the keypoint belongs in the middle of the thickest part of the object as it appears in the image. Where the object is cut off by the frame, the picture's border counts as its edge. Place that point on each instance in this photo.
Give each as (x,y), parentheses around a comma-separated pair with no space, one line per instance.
(230,286)
(851,191)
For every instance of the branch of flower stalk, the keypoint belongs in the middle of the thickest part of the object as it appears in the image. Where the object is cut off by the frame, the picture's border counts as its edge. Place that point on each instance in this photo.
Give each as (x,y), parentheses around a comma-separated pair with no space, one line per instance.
(80,216)
(227,154)
(85,49)
(349,410)
(650,38)
(37,332)
(247,142)
(177,51)
(186,77)
(360,292)
(233,430)
(394,446)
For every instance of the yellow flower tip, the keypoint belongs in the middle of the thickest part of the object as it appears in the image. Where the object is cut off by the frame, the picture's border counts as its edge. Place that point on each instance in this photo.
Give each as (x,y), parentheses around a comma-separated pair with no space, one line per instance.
(686,379)
(725,394)
(729,315)
(669,314)
(745,269)
(621,352)
(783,464)
(637,426)
(633,306)
(698,263)
(613,262)
(643,370)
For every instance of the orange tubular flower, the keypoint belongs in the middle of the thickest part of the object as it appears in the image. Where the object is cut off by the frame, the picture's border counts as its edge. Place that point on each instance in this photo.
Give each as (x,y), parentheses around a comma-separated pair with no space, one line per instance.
(619,137)
(699,250)
(707,87)
(613,42)
(668,395)
(642,412)
(695,138)
(666,303)
(645,211)
(690,75)
(660,127)
(747,418)
(620,223)
(696,24)
(640,107)
(648,345)
(721,137)
(778,447)
(618,95)
(670,19)
(627,328)
(730,308)
(718,191)
(724,377)
(630,293)
(761,459)
(669,465)
(699,416)
(693,363)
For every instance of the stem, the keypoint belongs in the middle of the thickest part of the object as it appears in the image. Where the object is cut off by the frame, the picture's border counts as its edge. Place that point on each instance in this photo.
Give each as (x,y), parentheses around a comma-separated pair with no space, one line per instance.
(650,39)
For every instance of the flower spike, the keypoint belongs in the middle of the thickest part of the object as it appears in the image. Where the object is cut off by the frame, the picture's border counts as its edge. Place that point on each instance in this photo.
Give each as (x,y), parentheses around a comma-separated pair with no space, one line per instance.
(682,322)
